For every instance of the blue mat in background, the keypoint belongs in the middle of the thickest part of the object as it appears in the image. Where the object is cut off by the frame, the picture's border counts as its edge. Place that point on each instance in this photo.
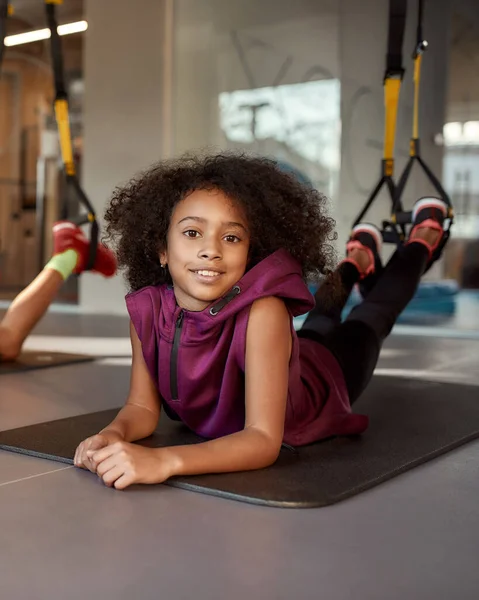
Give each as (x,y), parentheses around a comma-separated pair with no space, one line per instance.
(433,303)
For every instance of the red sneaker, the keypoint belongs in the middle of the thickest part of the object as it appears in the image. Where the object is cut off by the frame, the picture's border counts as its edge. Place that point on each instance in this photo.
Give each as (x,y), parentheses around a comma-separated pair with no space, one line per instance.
(429,212)
(367,237)
(68,236)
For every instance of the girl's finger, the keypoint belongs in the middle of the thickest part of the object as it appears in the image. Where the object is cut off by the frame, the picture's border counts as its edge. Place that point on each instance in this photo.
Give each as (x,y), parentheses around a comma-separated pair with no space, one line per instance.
(112,475)
(97,456)
(123,482)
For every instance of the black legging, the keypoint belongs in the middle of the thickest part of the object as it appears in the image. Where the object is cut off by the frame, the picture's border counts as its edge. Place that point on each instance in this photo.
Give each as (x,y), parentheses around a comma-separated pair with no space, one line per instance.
(357,341)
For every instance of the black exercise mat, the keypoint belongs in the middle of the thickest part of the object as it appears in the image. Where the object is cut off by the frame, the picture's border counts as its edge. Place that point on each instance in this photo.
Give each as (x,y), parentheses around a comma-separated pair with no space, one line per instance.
(28,361)
(412,421)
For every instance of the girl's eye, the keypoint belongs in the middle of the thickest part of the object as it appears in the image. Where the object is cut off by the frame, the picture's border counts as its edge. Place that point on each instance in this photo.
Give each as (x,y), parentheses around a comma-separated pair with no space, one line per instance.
(232,238)
(191,233)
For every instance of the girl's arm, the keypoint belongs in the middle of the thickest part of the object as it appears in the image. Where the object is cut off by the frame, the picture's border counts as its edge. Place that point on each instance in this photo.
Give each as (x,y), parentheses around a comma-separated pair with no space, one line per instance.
(268,351)
(139,417)
(136,420)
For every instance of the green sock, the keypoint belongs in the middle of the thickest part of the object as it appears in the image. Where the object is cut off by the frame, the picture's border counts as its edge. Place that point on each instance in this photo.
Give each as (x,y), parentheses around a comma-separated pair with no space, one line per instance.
(64,263)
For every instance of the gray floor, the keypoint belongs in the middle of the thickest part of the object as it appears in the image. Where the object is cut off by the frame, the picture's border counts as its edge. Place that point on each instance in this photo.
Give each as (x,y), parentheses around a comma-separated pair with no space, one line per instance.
(65,536)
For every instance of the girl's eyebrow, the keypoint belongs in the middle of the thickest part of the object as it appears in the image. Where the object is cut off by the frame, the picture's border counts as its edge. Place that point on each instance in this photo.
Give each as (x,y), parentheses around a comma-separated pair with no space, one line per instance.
(202,220)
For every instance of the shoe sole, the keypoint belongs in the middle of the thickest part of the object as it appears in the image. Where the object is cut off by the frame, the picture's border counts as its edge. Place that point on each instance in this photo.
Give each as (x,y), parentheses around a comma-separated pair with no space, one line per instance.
(373,231)
(429,203)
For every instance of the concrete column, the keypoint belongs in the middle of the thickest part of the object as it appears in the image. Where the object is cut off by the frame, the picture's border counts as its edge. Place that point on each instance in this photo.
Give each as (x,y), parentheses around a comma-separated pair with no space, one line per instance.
(124,92)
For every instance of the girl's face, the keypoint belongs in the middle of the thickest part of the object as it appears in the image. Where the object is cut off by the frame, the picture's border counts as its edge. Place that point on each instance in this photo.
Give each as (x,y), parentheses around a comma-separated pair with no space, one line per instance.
(207,248)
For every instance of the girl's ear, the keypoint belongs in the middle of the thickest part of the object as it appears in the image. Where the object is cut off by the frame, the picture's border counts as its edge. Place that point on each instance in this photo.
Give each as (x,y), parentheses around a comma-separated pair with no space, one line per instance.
(163,258)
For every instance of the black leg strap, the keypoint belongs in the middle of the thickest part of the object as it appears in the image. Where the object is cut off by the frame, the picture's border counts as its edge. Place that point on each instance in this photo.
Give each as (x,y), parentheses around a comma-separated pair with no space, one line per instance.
(397,24)
(3,27)
(62,117)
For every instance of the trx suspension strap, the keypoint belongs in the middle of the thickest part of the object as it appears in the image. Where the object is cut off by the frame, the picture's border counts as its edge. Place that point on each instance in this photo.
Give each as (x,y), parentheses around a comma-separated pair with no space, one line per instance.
(392,86)
(63,123)
(414,149)
(5,10)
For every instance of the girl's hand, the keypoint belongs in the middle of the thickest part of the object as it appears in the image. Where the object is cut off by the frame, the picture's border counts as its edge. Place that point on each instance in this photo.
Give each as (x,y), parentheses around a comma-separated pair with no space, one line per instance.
(121,464)
(95,442)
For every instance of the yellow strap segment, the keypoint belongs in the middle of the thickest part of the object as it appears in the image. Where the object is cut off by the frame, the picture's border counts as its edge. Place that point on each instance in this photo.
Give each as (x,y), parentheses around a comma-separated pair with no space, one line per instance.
(417,79)
(9,10)
(63,122)
(391,100)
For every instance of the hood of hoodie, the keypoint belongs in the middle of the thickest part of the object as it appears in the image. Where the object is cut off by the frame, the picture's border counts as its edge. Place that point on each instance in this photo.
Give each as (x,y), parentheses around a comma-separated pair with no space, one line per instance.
(277,275)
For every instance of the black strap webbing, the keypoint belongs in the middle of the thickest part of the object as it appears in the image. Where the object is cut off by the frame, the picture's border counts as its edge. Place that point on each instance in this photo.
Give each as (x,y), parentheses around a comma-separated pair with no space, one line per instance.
(420,13)
(57,55)
(61,100)
(397,24)
(392,85)
(3,27)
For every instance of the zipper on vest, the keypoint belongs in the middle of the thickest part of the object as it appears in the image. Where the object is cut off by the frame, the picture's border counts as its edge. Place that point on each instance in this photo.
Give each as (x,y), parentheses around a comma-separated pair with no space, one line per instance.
(174,357)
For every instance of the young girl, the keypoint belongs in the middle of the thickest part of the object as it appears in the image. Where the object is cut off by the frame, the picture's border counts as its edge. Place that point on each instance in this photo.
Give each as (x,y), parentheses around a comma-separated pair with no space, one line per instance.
(70,255)
(217,251)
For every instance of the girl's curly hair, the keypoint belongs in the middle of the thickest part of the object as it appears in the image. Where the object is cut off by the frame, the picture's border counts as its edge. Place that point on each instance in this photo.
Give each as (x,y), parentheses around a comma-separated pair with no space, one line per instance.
(281,213)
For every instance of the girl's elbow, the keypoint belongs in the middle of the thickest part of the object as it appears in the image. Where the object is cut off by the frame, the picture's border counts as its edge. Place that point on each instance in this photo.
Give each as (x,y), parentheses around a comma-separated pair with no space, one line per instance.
(150,427)
(265,447)
(273,457)
(270,450)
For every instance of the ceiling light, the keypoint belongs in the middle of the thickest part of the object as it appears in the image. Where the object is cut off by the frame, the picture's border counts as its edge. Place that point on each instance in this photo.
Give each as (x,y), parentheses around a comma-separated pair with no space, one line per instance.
(44,34)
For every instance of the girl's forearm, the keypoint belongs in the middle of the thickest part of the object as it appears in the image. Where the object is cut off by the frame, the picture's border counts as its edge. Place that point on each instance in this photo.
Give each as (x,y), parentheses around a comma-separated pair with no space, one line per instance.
(133,422)
(243,451)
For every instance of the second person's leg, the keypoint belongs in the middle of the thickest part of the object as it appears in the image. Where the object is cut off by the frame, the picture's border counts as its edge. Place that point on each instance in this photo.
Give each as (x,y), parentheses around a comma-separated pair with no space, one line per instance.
(70,254)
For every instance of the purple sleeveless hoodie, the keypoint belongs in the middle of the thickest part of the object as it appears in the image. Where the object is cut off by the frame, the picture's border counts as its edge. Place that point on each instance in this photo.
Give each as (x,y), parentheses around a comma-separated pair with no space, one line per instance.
(197,359)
